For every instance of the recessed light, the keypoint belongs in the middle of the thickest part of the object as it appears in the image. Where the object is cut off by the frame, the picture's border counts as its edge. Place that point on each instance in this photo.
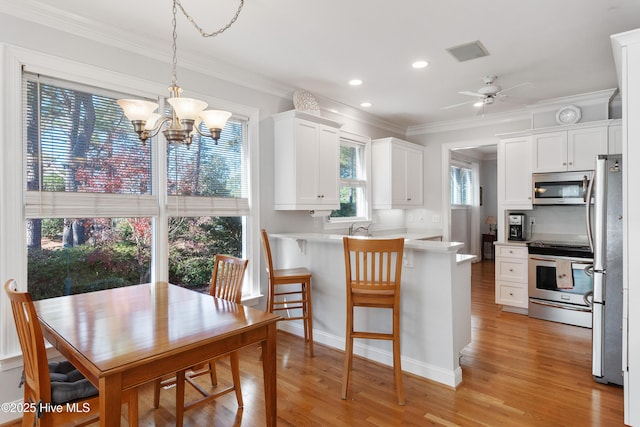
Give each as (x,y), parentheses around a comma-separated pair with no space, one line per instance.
(365,104)
(420,64)
(355,82)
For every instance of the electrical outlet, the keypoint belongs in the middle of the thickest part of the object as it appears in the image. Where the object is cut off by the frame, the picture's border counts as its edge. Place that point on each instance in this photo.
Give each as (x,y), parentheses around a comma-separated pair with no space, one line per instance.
(532,220)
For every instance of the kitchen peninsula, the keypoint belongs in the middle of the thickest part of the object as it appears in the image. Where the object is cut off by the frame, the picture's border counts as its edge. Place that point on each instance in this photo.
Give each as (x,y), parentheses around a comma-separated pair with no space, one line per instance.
(435,301)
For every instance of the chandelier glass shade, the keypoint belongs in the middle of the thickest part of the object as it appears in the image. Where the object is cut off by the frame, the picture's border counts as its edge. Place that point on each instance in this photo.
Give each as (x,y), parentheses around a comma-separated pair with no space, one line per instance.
(186,113)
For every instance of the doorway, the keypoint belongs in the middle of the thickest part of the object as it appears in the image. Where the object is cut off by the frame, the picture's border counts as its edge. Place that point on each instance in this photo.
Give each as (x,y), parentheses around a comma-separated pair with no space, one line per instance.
(469,194)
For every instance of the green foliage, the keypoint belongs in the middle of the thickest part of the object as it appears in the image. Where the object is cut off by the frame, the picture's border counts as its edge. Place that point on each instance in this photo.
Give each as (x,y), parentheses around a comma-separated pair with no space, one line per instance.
(51,227)
(81,269)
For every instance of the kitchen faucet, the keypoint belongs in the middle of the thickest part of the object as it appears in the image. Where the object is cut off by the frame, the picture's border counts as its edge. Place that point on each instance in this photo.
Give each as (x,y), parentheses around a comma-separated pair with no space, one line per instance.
(353,232)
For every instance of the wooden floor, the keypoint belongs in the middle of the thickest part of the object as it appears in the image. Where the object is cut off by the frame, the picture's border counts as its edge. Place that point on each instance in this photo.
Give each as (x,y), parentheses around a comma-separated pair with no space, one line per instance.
(517,372)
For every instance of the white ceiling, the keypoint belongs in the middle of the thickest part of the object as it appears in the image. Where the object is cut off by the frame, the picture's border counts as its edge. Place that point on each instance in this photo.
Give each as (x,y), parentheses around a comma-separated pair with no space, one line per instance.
(561,47)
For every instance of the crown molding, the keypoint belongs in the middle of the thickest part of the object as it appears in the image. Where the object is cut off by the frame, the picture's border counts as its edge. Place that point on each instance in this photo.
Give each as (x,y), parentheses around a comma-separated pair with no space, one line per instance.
(583,99)
(475,122)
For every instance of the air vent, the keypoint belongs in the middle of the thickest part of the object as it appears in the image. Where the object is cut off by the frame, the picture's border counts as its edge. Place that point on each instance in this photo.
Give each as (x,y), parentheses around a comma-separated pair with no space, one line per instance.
(467,51)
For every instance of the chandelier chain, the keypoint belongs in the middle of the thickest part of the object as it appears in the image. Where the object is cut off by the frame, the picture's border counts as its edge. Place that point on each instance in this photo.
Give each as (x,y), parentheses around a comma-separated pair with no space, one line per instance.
(174,47)
(202,32)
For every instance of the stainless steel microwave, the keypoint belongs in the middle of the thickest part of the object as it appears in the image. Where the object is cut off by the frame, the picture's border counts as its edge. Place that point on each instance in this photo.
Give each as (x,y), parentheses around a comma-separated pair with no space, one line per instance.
(561,188)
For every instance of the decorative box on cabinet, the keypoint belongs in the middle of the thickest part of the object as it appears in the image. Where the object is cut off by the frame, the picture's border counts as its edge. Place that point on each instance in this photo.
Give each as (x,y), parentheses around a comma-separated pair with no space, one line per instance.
(514,173)
(512,275)
(569,150)
(397,174)
(306,161)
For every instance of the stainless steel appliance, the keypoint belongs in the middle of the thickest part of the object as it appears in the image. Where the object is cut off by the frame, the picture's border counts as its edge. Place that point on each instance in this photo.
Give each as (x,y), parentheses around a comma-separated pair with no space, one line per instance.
(605,234)
(560,282)
(561,188)
(516,226)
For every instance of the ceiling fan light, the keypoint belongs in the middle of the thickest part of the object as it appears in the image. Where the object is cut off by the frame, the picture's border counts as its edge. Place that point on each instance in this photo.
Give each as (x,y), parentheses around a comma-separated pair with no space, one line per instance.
(215,119)
(478,103)
(137,109)
(187,108)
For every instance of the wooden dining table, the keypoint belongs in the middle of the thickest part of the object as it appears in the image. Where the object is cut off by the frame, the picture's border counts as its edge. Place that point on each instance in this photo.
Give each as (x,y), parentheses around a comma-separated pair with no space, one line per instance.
(124,337)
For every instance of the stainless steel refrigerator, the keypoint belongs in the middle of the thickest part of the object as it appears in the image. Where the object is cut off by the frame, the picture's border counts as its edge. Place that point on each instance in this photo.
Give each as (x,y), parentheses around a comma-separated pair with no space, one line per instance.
(604,223)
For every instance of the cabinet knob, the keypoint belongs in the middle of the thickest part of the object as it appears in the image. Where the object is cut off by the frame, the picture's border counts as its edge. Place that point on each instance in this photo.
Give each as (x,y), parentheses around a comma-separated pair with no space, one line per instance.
(564,163)
(570,163)
(409,199)
(510,294)
(511,270)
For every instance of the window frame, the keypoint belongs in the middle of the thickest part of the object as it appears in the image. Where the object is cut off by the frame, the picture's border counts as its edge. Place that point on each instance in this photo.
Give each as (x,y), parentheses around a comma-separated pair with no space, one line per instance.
(351,139)
(14,197)
(463,165)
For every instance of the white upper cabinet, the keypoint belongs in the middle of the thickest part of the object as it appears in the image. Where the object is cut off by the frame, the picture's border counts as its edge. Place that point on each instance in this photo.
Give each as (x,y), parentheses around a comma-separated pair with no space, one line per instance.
(397,174)
(306,161)
(514,173)
(569,150)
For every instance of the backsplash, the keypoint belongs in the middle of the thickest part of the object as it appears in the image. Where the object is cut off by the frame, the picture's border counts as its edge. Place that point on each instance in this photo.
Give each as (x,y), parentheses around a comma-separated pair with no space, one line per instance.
(558,220)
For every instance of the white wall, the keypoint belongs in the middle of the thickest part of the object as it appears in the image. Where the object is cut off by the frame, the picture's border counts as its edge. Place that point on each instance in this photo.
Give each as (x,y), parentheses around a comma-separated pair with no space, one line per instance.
(489,184)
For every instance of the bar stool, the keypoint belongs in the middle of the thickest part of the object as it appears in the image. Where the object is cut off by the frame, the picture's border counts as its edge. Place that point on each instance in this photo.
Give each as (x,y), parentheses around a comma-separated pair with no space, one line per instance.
(277,299)
(373,274)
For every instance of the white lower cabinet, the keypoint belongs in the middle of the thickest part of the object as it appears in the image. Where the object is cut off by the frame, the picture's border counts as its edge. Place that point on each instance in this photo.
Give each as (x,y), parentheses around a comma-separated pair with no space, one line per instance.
(512,275)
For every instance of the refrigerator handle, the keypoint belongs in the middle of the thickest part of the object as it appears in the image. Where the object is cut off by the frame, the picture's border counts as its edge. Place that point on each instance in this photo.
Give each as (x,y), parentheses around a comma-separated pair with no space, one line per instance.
(588,210)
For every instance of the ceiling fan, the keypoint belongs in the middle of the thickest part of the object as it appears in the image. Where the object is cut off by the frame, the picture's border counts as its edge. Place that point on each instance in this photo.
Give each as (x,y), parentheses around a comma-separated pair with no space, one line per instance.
(487,94)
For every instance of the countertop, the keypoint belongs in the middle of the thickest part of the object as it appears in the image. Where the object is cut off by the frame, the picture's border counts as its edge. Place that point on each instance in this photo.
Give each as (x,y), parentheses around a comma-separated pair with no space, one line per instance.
(414,239)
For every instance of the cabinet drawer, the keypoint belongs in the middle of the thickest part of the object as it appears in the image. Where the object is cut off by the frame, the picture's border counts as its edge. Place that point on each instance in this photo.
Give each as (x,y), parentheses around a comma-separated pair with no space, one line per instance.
(512,251)
(510,294)
(511,269)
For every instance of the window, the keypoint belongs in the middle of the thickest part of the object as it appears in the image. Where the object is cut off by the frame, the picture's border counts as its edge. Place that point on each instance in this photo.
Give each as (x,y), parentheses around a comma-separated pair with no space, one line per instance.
(354,194)
(92,195)
(461,185)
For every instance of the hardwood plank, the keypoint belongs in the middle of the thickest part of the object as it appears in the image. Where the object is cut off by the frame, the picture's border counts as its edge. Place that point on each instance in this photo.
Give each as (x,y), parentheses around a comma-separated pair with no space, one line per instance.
(517,371)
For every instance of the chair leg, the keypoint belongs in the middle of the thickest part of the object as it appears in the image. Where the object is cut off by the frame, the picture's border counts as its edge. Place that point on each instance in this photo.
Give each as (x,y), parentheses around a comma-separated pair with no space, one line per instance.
(213,373)
(132,406)
(179,398)
(397,367)
(309,316)
(156,392)
(348,354)
(235,373)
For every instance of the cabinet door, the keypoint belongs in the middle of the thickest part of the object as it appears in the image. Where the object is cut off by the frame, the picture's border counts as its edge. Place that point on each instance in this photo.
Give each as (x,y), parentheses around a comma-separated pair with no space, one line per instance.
(414,177)
(549,152)
(583,147)
(514,173)
(398,175)
(328,167)
(306,162)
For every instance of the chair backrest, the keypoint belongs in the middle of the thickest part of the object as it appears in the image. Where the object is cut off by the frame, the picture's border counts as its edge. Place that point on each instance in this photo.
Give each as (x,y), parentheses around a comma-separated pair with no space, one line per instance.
(227,277)
(267,253)
(373,267)
(37,381)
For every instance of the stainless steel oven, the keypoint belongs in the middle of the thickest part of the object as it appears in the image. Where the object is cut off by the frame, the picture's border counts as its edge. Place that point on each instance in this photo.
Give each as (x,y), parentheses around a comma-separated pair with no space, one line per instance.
(561,283)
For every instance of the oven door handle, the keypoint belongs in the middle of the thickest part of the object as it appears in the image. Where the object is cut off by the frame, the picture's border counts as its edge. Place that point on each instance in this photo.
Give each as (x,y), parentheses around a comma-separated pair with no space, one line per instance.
(588,298)
(560,305)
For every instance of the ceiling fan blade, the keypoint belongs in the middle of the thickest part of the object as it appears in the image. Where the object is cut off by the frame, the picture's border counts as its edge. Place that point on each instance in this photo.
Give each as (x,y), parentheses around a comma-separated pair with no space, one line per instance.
(513,87)
(469,93)
(457,105)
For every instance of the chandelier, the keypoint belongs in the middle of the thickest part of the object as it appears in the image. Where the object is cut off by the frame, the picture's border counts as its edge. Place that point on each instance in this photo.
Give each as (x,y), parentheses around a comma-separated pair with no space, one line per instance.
(186,113)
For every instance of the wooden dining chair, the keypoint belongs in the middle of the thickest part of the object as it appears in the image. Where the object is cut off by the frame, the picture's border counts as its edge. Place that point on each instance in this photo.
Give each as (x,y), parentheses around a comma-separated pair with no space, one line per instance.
(226,282)
(50,385)
(281,290)
(373,275)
